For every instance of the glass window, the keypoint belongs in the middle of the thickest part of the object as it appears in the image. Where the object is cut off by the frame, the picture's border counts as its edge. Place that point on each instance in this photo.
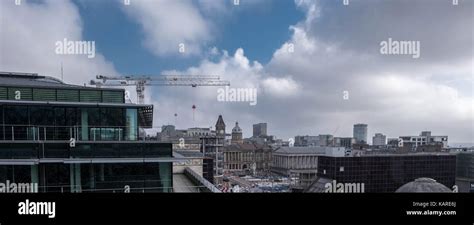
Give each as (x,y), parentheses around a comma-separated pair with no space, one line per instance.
(16,115)
(60,116)
(112,117)
(61,131)
(131,124)
(55,177)
(56,150)
(19,150)
(71,117)
(17,121)
(112,124)
(94,116)
(2,127)
(139,177)
(89,120)
(42,118)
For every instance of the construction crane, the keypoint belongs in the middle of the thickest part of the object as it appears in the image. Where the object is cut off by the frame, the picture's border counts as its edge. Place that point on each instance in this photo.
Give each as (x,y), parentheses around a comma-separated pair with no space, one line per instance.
(162,80)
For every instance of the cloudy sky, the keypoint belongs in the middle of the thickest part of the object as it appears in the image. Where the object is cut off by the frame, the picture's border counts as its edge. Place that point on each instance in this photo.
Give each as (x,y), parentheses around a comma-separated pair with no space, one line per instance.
(302,56)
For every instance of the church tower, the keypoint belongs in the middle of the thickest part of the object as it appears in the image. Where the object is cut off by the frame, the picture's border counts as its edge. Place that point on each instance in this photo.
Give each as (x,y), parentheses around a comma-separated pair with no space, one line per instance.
(220,126)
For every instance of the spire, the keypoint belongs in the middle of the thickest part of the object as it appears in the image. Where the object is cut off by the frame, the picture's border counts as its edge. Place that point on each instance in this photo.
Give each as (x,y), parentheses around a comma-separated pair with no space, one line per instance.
(220,125)
(220,121)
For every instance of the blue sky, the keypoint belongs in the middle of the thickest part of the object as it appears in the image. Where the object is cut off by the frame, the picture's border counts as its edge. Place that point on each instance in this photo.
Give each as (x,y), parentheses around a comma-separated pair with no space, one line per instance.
(300,92)
(260,31)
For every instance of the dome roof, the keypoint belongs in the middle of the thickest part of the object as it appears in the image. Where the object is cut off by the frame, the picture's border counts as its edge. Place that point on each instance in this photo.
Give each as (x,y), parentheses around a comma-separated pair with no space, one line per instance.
(423,185)
(236,129)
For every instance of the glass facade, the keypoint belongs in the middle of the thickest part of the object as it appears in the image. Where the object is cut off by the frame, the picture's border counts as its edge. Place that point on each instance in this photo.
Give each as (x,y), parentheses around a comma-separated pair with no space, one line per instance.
(92,177)
(388,173)
(105,157)
(18,122)
(61,94)
(465,165)
(84,150)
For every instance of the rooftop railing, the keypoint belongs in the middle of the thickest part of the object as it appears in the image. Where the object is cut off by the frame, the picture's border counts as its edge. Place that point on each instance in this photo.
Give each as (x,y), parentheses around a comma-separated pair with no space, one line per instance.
(67,133)
(200,180)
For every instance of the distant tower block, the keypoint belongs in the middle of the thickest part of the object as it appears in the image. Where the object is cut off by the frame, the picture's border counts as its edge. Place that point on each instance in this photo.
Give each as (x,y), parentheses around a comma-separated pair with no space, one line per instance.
(260,130)
(360,133)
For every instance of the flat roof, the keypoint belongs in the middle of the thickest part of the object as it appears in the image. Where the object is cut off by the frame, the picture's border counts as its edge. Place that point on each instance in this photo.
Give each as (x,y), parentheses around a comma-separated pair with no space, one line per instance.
(321,150)
(397,154)
(11,79)
(55,103)
(85,160)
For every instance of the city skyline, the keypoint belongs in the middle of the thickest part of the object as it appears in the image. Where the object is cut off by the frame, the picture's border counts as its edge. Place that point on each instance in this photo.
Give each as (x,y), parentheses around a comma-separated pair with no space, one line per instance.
(318,68)
(369,139)
(108,107)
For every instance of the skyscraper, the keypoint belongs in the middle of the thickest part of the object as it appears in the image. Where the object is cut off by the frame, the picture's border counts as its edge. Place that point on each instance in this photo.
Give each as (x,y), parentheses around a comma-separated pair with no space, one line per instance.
(360,133)
(260,129)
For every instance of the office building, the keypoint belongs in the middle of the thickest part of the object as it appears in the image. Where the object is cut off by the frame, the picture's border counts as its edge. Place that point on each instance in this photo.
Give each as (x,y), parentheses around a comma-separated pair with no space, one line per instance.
(69,138)
(379,139)
(325,140)
(259,130)
(345,142)
(385,172)
(392,142)
(360,133)
(198,132)
(423,139)
(306,141)
(465,171)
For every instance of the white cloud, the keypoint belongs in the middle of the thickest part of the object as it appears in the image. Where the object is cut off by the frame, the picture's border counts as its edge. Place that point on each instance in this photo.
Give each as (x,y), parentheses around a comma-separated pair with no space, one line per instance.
(301,92)
(240,72)
(395,96)
(280,87)
(28,36)
(168,23)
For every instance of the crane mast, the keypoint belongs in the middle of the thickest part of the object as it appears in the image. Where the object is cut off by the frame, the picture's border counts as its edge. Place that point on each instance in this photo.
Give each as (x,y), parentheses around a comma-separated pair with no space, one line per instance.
(162,80)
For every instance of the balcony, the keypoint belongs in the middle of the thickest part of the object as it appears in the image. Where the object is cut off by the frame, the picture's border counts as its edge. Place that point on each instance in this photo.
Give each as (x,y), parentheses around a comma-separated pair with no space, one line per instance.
(53,142)
(66,133)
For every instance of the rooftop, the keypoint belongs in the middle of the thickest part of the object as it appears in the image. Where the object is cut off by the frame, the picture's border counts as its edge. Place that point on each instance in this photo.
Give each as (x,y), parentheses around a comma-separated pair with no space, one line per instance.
(247,147)
(377,154)
(15,79)
(304,150)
